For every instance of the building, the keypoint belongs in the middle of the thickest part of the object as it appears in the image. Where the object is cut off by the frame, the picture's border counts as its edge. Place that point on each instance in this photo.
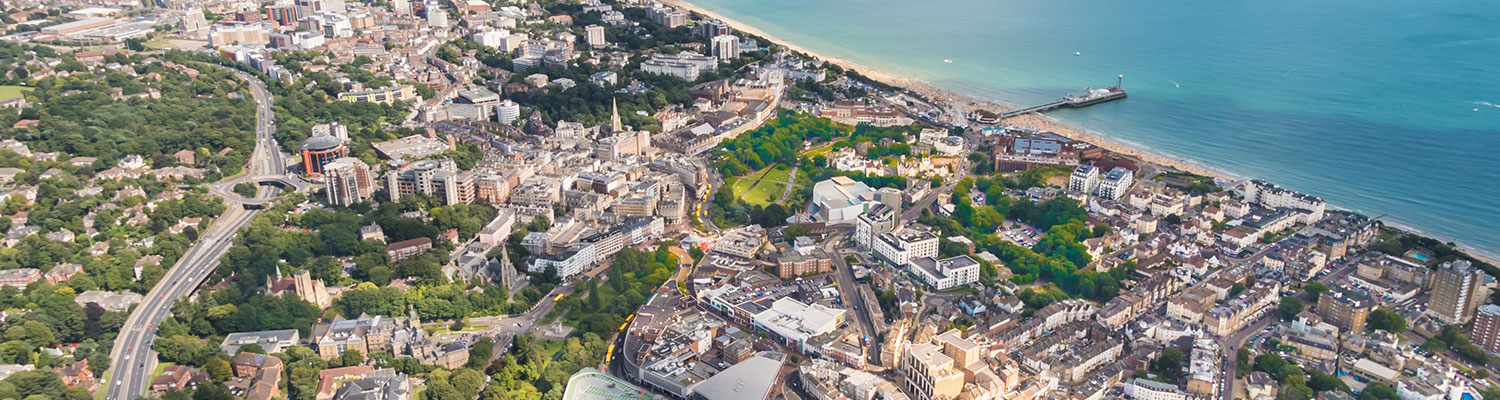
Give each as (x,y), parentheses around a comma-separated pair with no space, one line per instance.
(726,47)
(320,150)
(1345,309)
(507,111)
(930,373)
(900,248)
(1085,179)
(20,277)
(795,264)
(220,35)
(1457,291)
(438,178)
(414,147)
(383,384)
(594,35)
(945,273)
(841,200)
(686,65)
(385,95)
(1273,196)
(347,180)
(1116,183)
(408,248)
(82,25)
(795,323)
(1144,389)
(878,220)
(1486,331)
(271,341)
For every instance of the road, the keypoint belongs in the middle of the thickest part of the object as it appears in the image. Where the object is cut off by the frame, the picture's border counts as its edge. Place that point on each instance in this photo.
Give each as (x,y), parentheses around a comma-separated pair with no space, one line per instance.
(132,357)
(849,292)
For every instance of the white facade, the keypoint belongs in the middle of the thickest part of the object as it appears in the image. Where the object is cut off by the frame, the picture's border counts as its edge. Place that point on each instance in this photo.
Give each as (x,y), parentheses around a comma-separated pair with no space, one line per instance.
(594,35)
(946,273)
(726,47)
(1272,196)
(902,247)
(1085,179)
(796,322)
(1116,183)
(507,111)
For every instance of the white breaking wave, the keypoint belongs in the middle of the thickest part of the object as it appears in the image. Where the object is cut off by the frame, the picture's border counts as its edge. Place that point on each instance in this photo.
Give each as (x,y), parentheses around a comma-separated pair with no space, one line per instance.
(1485,103)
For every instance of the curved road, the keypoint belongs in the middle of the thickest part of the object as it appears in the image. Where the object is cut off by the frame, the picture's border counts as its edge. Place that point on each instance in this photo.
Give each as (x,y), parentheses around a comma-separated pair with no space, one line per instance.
(133,360)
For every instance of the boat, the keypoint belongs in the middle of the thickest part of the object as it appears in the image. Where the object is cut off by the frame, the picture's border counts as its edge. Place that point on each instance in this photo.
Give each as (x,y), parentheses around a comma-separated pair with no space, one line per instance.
(1077,53)
(947,61)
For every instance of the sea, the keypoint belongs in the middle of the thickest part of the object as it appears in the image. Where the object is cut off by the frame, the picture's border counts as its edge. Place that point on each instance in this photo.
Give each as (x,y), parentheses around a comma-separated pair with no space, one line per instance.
(1385,107)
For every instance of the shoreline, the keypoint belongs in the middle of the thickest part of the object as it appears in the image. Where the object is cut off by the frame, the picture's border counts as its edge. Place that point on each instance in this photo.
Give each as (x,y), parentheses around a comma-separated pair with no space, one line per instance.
(969,103)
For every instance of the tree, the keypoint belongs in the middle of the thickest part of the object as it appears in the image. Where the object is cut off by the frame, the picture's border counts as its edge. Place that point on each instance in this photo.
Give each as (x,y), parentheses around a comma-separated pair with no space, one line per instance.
(1313,290)
(245,189)
(1289,308)
(1168,365)
(1378,391)
(219,369)
(1271,364)
(1386,320)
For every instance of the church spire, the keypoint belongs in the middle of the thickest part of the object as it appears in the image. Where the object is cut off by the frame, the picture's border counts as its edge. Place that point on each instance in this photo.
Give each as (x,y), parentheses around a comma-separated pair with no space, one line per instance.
(614,118)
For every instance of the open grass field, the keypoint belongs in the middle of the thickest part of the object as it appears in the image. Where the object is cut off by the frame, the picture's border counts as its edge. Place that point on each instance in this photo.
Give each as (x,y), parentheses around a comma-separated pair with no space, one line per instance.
(771,186)
(8,92)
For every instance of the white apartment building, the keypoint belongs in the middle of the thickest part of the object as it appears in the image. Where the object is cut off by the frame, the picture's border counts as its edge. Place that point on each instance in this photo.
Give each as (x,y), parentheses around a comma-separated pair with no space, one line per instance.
(1270,195)
(1116,183)
(901,248)
(945,273)
(1085,179)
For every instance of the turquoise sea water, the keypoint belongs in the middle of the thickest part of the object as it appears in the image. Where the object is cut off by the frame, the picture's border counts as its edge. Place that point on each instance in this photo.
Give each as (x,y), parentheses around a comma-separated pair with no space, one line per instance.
(1381,106)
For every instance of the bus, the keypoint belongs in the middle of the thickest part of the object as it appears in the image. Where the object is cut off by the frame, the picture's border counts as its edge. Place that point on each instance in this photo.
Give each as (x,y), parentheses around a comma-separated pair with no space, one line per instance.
(558,298)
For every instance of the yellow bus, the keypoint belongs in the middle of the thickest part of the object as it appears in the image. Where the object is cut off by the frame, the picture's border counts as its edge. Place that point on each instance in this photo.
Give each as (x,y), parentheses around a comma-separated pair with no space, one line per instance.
(558,298)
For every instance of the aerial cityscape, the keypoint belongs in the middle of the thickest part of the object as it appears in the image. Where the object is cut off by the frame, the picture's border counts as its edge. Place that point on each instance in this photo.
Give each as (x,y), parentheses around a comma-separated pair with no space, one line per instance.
(648,199)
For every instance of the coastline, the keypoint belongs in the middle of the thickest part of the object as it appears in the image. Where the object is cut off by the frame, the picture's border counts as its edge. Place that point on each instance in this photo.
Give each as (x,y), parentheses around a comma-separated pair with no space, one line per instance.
(967,104)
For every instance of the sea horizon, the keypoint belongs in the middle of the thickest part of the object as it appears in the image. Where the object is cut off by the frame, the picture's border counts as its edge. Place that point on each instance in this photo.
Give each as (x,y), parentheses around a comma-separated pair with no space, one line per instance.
(1301,115)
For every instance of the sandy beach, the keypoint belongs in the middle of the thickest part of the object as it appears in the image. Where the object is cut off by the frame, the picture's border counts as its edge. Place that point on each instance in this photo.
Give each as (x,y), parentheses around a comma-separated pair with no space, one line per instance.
(969,104)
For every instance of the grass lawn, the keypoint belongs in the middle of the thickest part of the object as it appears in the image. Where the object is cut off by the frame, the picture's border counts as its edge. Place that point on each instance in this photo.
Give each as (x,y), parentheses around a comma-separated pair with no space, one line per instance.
(770,187)
(10,92)
(549,348)
(818,150)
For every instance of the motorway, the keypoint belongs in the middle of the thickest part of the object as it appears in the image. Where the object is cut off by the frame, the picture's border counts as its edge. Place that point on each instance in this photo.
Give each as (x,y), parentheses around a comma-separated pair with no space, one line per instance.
(132,359)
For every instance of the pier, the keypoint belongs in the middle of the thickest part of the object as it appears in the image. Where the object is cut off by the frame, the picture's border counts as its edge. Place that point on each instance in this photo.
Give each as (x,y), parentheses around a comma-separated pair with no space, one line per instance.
(1090,97)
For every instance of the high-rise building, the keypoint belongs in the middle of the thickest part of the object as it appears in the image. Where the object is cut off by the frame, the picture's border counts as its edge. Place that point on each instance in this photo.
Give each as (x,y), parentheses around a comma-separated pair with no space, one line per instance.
(439,178)
(436,16)
(1455,289)
(1486,332)
(713,28)
(320,150)
(401,7)
(726,47)
(193,23)
(1084,179)
(347,181)
(594,35)
(1345,309)
(507,111)
(1116,183)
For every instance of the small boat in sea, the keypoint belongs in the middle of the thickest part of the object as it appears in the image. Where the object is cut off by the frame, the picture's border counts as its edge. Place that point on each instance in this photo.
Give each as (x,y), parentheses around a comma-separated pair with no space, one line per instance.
(947,60)
(1076,53)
